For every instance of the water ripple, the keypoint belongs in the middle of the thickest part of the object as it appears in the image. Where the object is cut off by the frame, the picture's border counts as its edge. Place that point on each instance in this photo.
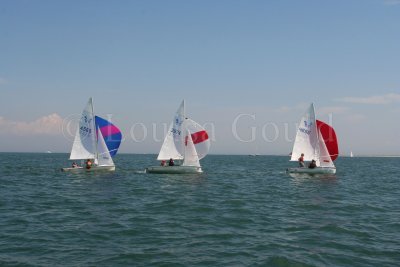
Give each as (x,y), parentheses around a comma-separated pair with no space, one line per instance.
(243,211)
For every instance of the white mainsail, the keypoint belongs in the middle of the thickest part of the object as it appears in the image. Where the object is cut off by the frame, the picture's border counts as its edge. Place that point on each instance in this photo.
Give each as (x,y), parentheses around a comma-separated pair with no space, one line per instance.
(104,157)
(173,146)
(307,137)
(191,158)
(84,146)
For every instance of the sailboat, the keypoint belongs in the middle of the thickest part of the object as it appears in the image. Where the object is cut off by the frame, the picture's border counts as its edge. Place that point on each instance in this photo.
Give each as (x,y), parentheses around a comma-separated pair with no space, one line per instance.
(351,154)
(187,142)
(317,141)
(97,140)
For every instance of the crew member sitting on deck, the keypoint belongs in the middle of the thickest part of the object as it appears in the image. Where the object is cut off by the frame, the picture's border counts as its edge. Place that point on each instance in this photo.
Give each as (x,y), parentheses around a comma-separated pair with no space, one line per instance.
(74,165)
(171,162)
(163,163)
(301,160)
(312,164)
(88,164)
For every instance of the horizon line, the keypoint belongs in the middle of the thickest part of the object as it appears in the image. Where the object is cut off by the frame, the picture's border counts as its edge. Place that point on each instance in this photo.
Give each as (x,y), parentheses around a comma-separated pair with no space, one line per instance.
(211,154)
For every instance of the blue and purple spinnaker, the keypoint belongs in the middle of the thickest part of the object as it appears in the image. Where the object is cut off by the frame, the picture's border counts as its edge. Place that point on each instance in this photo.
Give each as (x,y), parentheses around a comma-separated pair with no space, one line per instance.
(112,135)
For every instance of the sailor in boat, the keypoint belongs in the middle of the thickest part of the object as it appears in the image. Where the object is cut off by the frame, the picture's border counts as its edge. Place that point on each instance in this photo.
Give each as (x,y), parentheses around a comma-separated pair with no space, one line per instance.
(88,164)
(301,160)
(163,163)
(171,162)
(74,165)
(312,164)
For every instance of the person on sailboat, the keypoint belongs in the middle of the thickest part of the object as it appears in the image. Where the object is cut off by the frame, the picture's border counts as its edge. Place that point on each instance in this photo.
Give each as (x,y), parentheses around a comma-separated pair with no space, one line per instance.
(171,162)
(301,160)
(312,164)
(74,165)
(163,163)
(88,164)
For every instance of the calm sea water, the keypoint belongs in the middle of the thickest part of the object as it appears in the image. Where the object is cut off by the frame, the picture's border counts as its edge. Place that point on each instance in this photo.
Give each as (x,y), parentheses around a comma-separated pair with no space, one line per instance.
(243,211)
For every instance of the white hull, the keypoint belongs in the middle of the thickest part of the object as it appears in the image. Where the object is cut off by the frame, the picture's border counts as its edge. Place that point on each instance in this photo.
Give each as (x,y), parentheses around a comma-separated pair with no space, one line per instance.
(92,169)
(317,170)
(174,169)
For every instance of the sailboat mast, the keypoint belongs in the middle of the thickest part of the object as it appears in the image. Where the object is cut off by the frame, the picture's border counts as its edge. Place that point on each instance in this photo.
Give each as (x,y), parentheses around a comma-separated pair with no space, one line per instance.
(95,141)
(183,129)
(185,140)
(184,108)
(316,150)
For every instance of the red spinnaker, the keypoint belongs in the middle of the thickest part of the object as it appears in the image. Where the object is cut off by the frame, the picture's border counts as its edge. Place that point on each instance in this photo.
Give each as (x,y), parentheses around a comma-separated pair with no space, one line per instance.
(329,136)
(199,137)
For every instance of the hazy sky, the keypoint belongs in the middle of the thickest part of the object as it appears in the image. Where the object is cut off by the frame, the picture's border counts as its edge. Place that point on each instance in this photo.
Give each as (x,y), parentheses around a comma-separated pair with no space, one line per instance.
(240,66)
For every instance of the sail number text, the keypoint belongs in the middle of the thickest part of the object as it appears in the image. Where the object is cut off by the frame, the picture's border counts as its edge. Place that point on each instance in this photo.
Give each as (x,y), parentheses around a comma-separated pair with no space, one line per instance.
(305,131)
(85,129)
(175,131)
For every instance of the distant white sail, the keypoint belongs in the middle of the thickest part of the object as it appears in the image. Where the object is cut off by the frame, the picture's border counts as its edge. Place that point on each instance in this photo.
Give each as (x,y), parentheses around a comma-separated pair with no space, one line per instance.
(306,138)
(84,146)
